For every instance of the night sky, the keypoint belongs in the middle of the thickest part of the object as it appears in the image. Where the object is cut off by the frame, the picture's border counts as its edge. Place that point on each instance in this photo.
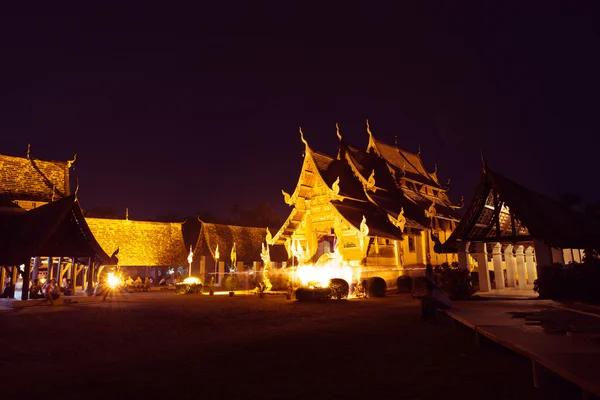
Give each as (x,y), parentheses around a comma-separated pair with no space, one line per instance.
(187,109)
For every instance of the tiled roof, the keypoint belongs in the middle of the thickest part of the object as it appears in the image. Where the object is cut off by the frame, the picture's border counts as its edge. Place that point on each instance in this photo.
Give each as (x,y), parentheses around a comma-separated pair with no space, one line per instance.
(248,243)
(376,219)
(366,163)
(53,230)
(23,178)
(406,161)
(330,169)
(539,216)
(141,243)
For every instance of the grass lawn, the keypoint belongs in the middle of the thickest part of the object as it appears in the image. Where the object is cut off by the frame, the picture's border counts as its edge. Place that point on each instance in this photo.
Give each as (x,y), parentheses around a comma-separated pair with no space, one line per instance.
(193,346)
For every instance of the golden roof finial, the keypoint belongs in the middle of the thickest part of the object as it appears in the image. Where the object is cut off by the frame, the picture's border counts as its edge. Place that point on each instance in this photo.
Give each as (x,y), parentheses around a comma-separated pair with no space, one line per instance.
(368,128)
(28,150)
(336,186)
(419,150)
(302,137)
(396,141)
(286,197)
(127,213)
(76,186)
(371,181)
(337,131)
(483,161)
(70,162)
(269,237)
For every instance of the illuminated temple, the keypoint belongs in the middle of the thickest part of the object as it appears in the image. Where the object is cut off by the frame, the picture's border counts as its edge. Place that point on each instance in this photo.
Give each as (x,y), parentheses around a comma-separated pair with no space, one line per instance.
(372,210)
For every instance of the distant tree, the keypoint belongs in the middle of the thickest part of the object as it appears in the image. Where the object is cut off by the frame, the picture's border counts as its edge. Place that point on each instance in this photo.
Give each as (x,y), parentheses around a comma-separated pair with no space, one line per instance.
(169,217)
(101,212)
(572,200)
(262,215)
(207,216)
(191,230)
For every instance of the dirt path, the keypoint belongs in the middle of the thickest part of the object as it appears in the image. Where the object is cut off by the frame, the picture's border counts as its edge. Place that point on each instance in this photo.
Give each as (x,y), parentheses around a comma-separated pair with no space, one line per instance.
(245,347)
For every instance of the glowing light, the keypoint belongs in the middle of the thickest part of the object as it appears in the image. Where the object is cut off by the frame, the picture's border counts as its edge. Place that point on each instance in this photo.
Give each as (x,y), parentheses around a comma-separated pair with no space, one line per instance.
(191,280)
(329,266)
(113,280)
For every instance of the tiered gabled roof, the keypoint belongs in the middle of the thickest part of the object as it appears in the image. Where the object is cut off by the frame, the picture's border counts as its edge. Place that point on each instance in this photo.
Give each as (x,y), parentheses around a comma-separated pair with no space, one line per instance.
(27,178)
(248,243)
(370,184)
(403,162)
(141,243)
(57,229)
(504,211)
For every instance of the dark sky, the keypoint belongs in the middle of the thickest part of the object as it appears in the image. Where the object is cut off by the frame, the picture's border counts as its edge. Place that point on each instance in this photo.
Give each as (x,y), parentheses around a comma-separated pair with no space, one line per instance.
(186,109)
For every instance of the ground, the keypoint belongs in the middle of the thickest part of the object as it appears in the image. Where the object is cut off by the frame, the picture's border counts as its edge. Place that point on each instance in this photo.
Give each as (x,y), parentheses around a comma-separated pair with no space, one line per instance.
(194,346)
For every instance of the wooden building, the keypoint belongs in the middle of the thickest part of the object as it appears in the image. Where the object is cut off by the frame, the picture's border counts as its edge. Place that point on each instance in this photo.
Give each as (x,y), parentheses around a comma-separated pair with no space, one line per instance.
(512,230)
(249,245)
(42,229)
(145,248)
(54,240)
(29,182)
(378,207)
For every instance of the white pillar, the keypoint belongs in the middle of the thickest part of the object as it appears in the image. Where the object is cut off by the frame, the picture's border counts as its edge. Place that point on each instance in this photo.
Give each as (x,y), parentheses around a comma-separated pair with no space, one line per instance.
(203,268)
(576,255)
(498,271)
(36,268)
(509,260)
(557,255)
(220,271)
(531,275)
(482,265)
(463,255)
(521,266)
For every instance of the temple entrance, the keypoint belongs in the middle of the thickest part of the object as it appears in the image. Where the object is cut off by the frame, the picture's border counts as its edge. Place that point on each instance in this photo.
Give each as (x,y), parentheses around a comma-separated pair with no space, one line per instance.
(325,245)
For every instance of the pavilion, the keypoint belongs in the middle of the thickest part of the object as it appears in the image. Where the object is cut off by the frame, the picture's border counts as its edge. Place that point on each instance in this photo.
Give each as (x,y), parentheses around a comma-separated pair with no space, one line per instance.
(54,237)
(522,230)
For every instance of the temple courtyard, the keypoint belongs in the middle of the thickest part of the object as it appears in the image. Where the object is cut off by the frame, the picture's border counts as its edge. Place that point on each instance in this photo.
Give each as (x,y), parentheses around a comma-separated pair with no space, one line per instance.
(159,344)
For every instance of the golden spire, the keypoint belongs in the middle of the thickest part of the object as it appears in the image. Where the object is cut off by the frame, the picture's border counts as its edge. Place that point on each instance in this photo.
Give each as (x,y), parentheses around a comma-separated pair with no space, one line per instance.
(127,213)
(28,150)
(337,131)
(368,128)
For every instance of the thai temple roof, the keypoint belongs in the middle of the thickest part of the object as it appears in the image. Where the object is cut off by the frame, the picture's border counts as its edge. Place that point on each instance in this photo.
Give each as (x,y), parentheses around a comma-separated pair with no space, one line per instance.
(141,243)
(380,184)
(27,178)
(248,243)
(403,161)
(535,217)
(56,229)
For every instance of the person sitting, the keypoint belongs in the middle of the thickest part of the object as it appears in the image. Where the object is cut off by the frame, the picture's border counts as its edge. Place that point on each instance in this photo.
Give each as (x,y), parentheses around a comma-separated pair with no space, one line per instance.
(51,291)
(435,298)
(68,288)
(138,283)
(35,291)
(7,289)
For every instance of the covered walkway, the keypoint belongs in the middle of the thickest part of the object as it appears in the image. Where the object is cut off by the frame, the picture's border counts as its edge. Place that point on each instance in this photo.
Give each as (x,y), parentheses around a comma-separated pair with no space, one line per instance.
(511,230)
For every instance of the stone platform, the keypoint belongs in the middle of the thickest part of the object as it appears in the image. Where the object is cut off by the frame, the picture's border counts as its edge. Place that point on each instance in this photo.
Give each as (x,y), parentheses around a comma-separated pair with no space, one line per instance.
(560,340)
